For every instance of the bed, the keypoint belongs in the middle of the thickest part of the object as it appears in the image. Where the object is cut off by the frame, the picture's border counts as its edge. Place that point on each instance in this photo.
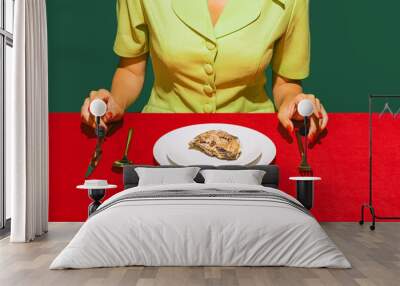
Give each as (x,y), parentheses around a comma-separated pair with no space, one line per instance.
(199,224)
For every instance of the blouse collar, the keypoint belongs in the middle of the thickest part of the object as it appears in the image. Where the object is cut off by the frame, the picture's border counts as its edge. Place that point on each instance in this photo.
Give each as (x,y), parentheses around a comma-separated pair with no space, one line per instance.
(234,17)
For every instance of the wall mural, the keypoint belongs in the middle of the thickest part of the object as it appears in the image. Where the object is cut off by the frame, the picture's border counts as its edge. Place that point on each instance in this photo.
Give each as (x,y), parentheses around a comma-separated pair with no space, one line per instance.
(221,92)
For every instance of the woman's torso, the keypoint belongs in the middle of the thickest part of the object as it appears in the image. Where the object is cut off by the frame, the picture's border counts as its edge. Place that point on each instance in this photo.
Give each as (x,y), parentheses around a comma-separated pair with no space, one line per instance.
(201,68)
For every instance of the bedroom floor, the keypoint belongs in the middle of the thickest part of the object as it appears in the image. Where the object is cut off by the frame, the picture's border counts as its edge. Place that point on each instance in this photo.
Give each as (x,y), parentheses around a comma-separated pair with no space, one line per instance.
(375,257)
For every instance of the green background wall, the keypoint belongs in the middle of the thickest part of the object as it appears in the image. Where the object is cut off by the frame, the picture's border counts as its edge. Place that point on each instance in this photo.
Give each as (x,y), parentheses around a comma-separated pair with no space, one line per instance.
(355,52)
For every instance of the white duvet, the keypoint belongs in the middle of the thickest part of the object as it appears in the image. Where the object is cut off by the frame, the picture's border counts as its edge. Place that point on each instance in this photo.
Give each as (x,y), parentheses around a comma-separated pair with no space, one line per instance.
(200,231)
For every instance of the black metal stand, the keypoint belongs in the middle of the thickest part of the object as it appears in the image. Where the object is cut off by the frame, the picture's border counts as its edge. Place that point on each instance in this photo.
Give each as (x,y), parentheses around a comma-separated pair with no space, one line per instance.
(305,193)
(96,195)
(370,205)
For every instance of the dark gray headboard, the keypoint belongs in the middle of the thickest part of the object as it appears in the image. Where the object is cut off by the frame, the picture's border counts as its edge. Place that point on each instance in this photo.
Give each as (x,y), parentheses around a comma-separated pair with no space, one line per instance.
(271,178)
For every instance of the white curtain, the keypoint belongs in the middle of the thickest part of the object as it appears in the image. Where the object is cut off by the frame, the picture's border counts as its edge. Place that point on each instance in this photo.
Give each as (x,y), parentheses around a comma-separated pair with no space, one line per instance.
(27,124)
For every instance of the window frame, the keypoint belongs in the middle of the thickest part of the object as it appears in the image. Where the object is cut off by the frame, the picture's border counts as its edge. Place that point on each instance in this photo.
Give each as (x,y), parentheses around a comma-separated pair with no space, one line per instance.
(6,39)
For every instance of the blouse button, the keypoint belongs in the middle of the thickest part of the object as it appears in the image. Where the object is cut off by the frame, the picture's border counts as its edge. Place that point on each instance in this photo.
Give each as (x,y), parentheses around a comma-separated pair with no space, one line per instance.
(209,69)
(208,89)
(210,46)
(208,108)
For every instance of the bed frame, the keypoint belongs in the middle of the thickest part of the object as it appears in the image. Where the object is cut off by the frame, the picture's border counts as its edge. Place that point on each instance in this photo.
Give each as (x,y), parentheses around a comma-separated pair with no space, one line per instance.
(270,179)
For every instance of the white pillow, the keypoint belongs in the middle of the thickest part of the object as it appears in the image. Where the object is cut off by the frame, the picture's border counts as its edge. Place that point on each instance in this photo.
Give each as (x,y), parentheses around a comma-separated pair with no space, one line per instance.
(166,176)
(248,177)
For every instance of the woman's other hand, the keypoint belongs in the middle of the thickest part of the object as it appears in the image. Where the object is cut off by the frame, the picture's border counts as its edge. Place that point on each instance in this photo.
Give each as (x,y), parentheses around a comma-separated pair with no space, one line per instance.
(288,112)
(114,112)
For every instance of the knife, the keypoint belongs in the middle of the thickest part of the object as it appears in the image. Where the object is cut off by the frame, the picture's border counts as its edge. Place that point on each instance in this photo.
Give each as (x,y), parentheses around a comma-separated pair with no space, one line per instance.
(98,151)
(94,161)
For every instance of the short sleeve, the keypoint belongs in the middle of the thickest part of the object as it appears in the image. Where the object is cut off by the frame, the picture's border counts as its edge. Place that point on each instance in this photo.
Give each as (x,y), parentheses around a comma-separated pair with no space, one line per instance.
(291,57)
(132,34)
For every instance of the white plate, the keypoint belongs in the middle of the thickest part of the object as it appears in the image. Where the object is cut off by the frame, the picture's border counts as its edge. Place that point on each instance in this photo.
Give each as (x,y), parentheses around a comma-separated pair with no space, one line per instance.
(172,148)
(180,154)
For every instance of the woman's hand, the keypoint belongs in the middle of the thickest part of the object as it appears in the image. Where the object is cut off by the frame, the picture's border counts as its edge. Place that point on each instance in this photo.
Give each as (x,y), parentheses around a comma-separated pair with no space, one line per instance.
(126,87)
(114,112)
(288,112)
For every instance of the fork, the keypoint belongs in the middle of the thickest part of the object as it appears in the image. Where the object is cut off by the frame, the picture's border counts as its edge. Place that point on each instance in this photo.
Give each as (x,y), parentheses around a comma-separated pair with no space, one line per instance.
(304,168)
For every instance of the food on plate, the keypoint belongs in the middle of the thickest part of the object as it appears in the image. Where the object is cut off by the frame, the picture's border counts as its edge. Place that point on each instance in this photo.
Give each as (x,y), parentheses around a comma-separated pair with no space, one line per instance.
(217,143)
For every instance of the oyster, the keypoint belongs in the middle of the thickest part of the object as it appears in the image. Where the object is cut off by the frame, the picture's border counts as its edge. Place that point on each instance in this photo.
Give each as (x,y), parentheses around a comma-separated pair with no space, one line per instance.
(217,143)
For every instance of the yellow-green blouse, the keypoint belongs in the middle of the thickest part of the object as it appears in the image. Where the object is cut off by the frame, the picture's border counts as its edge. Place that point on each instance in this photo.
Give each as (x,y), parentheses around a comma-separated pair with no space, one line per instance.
(199,67)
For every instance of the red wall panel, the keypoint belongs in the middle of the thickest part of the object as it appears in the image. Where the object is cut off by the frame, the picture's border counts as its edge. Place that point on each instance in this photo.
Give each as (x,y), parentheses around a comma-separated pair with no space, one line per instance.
(341,159)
